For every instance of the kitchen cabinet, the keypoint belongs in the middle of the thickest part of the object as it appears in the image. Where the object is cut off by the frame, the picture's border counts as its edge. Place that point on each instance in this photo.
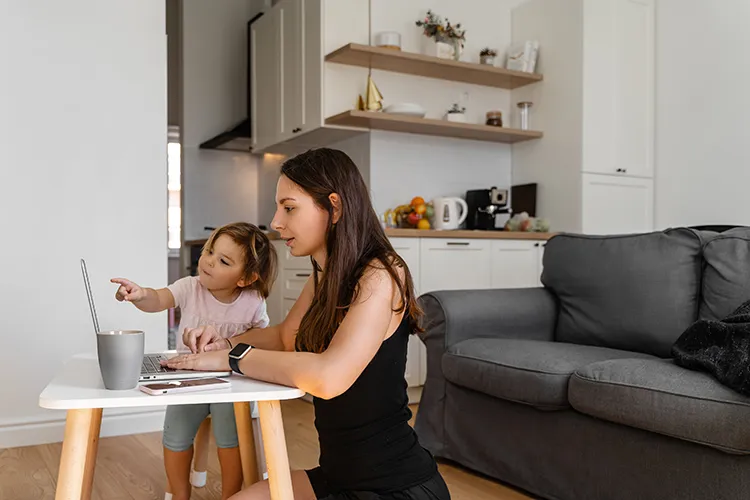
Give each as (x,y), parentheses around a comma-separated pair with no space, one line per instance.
(618,78)
(408,249)
(454,264)
(617,204)
(286,72)
(515,264)
(265,40)
(598,97)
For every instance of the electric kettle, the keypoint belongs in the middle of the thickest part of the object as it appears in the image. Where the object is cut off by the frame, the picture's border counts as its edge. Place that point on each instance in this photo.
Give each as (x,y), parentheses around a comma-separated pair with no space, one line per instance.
(446,212)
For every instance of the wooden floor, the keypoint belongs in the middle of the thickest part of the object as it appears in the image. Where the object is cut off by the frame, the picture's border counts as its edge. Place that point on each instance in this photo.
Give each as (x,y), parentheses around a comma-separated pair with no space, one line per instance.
(130,467)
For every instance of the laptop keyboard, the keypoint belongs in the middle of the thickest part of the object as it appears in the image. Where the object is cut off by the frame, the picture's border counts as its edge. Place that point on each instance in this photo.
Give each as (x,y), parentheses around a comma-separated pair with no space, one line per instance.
(151,364)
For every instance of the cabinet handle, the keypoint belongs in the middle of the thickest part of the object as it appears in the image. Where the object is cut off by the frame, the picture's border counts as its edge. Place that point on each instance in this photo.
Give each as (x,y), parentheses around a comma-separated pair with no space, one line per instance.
(536,244)
(457,243)
(303,275)
(296,130)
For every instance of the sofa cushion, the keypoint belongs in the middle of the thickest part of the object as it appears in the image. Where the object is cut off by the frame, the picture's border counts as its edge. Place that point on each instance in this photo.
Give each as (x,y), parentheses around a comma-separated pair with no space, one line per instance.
(634,292)
(726,277)
(531,372)
(658,396)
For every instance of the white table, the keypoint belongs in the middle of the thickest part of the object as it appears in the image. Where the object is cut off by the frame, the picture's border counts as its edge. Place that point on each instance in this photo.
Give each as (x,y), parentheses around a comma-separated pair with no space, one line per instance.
(79,389)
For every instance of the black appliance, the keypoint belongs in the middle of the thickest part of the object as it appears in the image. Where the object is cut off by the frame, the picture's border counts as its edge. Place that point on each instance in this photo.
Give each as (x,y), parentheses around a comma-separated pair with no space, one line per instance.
(484,206)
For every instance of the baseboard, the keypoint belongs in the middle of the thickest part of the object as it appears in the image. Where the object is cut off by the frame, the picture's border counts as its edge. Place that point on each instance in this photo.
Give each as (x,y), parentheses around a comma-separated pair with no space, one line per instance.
(42,431)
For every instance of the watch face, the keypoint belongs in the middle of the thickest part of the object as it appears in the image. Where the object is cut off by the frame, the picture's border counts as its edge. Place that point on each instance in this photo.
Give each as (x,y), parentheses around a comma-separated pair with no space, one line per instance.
(239,350)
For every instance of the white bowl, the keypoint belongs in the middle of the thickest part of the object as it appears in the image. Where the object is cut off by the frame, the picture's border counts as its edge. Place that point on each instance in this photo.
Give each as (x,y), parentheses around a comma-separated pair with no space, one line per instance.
(405,108)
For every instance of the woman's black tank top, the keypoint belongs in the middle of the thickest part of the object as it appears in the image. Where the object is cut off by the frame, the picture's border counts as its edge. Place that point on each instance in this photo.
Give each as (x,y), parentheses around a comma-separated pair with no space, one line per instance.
(366,442)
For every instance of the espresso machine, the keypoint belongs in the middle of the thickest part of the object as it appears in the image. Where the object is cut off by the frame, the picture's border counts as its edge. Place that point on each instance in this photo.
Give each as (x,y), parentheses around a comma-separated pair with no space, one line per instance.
(488,209)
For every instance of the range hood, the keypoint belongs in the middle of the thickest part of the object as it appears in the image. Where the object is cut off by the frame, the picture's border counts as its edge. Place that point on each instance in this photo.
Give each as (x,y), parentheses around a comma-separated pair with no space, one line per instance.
(239,137)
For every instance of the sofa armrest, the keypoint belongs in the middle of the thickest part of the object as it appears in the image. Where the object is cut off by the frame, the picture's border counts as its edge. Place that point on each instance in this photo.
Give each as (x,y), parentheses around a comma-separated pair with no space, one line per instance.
(452,316)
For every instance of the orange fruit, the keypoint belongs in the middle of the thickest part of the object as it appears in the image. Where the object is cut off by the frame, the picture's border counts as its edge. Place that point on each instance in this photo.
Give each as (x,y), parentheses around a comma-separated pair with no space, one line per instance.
(417,200)
(423,224)
(420,209)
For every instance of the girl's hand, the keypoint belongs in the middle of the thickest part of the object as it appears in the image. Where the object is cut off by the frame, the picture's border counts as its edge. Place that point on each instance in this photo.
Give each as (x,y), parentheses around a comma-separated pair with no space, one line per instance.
(205,361)
(204,338)
(128,290)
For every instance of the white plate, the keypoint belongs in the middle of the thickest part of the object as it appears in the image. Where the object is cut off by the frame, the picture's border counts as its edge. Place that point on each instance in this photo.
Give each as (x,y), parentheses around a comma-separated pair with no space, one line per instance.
(405,108)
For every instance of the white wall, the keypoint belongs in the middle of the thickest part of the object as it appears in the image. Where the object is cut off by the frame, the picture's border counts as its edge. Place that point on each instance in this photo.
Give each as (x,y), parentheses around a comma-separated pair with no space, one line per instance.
(702,112)
(83,173)
(219,186)
(553,162)
(403,166)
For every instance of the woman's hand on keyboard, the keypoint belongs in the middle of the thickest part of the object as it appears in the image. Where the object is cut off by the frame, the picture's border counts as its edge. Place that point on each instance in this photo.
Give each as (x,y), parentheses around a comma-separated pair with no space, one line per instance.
(205,361)
(204,338)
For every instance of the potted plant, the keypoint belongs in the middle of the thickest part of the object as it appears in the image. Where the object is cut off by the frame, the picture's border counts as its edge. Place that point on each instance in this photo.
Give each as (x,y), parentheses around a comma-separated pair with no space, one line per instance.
(487,56)
(441,38)
(456,114)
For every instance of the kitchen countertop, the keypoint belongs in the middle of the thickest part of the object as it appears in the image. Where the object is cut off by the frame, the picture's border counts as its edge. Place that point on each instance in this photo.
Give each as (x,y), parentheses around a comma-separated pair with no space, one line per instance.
(432,233)
(468,234)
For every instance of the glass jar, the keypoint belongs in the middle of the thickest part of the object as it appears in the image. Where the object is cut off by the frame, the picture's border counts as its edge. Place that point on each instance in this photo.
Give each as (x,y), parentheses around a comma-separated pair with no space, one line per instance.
(494,118)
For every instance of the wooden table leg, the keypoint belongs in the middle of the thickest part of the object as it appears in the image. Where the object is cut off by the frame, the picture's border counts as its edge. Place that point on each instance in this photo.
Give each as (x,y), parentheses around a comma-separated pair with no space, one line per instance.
(274,444)
(246,439)
(78,459)
(93,448)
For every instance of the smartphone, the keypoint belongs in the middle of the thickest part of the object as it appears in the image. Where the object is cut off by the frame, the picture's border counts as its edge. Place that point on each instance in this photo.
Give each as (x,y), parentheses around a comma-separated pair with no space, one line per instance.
(180,386)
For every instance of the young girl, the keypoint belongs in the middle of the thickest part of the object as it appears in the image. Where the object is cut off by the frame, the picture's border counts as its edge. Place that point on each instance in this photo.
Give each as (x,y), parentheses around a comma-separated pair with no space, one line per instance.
(344,340)
(235,274)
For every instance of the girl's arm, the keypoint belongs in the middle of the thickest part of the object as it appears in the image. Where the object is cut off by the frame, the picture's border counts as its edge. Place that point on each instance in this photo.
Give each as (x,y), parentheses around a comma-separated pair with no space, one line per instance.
(355,343)
(145,299)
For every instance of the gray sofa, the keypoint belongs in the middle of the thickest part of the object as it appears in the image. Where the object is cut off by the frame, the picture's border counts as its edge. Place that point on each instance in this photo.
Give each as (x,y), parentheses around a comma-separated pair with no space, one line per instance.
(568,392)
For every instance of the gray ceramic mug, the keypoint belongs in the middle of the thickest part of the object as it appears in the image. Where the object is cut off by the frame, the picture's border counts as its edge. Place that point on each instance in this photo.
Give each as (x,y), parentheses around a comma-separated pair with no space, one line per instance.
(120,357)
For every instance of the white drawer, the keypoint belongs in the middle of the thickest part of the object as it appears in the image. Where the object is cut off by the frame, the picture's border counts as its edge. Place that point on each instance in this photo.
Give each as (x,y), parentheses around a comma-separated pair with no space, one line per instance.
(455,244)
(293,282)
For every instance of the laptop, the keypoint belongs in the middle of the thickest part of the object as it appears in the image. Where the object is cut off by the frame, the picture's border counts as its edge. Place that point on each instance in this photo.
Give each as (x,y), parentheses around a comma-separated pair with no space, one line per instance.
(151,369)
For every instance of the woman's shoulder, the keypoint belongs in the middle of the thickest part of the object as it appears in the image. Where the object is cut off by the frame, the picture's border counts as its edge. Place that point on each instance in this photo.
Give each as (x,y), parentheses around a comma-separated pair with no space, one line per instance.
(382,275)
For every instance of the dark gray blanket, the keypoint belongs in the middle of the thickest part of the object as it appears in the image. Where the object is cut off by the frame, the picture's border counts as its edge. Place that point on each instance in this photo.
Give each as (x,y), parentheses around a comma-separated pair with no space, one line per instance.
(721,348)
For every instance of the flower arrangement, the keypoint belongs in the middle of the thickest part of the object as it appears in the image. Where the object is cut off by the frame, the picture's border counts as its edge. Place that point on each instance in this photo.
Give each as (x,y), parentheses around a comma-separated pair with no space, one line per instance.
(487,56)
(456,109)
(434,27)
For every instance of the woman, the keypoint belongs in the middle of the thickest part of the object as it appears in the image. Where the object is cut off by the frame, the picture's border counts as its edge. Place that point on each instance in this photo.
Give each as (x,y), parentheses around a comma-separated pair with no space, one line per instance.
(344,340)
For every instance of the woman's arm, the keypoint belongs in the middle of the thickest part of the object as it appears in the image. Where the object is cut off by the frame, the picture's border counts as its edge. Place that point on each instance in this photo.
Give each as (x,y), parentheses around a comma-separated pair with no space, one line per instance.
(355,343)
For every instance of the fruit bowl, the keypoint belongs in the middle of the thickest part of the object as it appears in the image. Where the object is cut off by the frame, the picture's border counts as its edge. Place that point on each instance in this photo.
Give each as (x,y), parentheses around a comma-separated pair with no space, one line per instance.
(414,215)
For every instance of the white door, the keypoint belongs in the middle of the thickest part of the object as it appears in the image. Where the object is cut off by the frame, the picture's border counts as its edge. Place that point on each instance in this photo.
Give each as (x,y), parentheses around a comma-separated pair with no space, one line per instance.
(618,78)
(616,204)
(266,77)
(515,264)
(454,264)
(292,77)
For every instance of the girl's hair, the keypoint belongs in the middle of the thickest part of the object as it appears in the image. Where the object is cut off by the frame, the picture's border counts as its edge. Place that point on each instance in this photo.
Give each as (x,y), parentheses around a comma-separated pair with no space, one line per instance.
(353,244)
(260,255)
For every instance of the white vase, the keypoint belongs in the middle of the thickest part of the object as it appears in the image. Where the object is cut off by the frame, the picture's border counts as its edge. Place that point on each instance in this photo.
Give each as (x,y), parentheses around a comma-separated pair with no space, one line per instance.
(456,117)
(431,47)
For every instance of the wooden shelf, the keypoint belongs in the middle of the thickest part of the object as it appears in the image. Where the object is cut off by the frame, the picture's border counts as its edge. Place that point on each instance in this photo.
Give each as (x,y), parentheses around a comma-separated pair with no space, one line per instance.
(432,67)
(413,125)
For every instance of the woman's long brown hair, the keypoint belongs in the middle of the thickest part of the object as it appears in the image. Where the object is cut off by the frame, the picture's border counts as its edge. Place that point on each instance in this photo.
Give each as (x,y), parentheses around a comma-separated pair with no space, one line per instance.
(353,244)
